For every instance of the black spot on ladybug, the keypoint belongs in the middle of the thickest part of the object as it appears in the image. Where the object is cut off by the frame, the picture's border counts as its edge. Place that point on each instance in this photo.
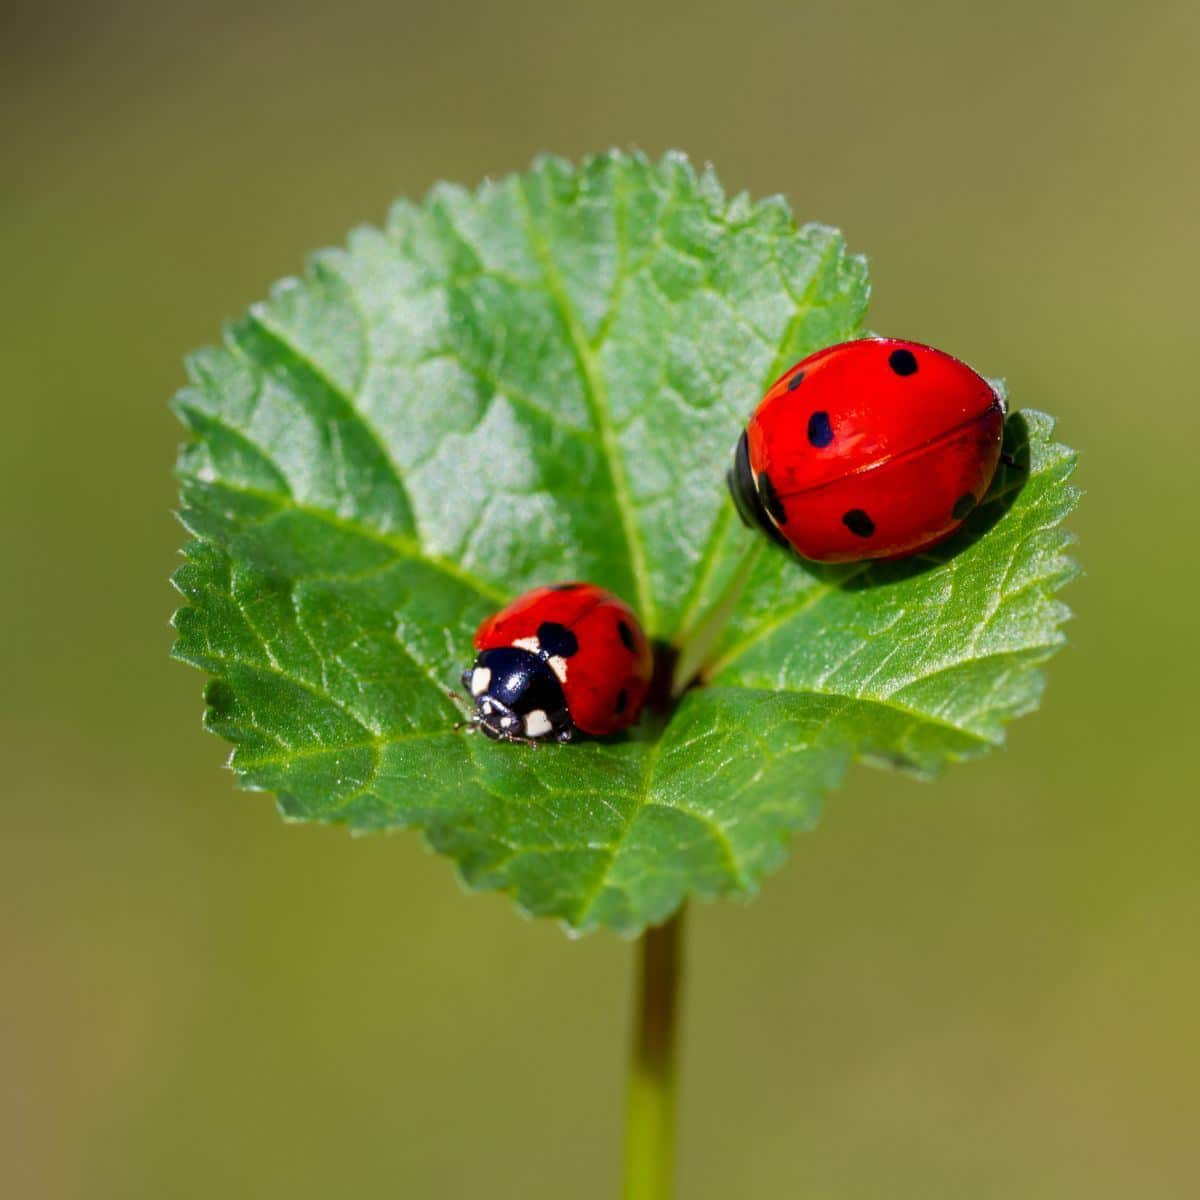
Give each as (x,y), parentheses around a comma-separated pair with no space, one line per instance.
(795,381)
(903,362)
(566,587)
(820,432)
(858,523)
(556,640)
(626,635)
(962,506)
(770,499)
(622,701)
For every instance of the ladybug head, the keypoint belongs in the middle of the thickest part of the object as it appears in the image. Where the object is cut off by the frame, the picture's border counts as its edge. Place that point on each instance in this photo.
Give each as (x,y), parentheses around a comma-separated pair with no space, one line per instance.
(517,696)
(744,490)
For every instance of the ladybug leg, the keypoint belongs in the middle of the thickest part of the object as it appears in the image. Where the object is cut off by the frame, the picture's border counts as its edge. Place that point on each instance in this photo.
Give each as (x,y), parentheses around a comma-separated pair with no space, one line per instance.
(1009,461)
(507,735)
(519,739)
(525,741)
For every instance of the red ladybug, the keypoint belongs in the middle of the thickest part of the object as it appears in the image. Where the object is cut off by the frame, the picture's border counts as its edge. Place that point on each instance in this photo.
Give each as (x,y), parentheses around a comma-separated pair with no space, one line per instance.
(559,659)
(876,448)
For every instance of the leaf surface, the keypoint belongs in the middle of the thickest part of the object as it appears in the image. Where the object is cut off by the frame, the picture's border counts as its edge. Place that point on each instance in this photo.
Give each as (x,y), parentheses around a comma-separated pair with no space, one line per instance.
(542,380)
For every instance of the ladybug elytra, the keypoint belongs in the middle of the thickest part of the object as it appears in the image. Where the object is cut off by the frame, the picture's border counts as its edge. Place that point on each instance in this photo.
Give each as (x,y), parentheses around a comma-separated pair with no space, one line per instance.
(876,448)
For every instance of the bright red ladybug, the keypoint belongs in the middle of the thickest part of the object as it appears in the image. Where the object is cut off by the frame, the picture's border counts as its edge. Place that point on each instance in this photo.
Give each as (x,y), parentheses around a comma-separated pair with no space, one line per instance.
(877,448)
(558,659)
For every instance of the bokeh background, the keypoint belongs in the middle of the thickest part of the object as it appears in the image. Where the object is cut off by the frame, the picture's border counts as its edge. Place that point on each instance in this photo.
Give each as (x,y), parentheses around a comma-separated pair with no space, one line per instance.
(985,987)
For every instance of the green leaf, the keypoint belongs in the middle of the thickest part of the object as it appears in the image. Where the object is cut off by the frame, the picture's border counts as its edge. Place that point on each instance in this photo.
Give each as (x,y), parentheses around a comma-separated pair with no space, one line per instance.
(542,380)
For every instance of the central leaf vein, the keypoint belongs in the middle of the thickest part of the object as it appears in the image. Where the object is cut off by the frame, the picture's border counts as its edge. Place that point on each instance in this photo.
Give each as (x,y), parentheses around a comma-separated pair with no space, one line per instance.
(595,393)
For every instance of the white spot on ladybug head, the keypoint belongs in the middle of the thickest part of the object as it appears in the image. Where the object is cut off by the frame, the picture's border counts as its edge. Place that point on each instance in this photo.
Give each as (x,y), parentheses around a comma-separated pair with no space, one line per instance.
(481,680)
(558,665)
(537,724)
(528,643)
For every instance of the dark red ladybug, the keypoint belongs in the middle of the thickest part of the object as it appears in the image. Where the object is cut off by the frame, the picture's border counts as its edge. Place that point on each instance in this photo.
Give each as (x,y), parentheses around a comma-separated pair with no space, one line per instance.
(876,448)
(558,659)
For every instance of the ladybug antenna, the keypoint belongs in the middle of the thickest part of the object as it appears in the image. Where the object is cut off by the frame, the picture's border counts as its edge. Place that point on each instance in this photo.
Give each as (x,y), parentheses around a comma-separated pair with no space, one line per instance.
(470,721)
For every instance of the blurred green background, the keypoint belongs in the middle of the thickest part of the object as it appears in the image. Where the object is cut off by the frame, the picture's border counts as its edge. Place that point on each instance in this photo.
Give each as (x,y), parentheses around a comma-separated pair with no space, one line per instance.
(985,987)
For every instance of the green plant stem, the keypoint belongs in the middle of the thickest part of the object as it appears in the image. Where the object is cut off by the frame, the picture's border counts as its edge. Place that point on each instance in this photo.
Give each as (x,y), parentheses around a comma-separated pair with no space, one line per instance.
(650,1115)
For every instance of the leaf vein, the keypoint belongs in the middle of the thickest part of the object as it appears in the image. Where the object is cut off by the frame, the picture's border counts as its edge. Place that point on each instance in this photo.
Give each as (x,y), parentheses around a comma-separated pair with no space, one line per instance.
(596,395)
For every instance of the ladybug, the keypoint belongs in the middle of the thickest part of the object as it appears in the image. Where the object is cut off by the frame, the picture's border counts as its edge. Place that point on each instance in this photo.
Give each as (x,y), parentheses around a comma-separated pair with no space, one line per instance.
(557,660)
(877,448)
